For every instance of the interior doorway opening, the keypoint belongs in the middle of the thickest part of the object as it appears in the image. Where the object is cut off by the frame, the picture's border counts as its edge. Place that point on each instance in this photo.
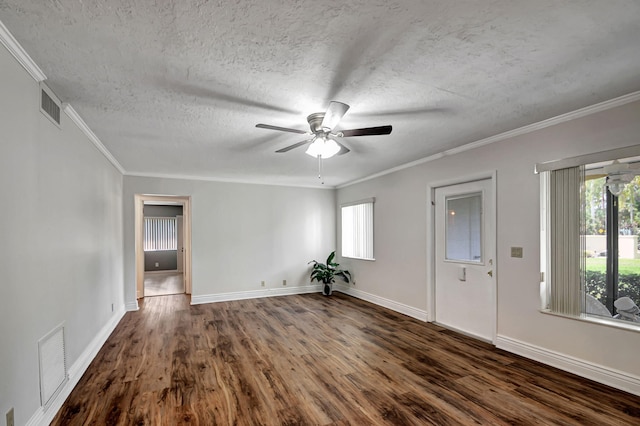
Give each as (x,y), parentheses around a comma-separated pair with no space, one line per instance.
(163,245)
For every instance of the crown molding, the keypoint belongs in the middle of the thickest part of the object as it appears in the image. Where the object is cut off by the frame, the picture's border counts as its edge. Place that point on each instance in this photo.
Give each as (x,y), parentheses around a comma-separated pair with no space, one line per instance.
(223,180)
(12,45)
(563,118)
(73,115)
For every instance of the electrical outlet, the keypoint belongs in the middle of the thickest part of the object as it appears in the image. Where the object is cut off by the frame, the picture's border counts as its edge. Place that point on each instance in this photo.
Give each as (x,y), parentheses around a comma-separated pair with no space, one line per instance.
(284,282)
(157,264)
(262,284)
(10,420)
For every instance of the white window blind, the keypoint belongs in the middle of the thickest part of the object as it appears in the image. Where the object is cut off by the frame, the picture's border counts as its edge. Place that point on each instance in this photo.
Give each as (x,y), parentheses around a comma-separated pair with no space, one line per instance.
(160,233)
(565,242)
(357,230)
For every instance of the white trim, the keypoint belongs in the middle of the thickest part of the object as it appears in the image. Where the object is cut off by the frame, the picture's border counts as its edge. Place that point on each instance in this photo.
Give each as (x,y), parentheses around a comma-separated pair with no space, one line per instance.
(370,200)
(44,416)
(139,202)
(582,112)
(75,117)
(607,322)
(596,157)
(224,180)
(254,294)
(598,373)
(410,311)
(21,55)
(12,45)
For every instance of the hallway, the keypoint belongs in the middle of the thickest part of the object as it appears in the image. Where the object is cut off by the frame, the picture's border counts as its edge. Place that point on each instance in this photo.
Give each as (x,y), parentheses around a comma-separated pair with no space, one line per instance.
(163,283)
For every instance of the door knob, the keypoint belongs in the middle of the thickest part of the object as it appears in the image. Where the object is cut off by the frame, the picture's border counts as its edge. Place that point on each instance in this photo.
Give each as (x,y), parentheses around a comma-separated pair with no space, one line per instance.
(490,273)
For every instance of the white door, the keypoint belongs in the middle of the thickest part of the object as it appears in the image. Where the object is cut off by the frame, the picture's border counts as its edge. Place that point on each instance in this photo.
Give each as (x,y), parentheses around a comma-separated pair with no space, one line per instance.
(465,295)
(180,243)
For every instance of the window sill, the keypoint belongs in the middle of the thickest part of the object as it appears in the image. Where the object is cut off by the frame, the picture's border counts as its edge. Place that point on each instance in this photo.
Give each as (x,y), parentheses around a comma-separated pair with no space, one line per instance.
(359,258)
(607,322)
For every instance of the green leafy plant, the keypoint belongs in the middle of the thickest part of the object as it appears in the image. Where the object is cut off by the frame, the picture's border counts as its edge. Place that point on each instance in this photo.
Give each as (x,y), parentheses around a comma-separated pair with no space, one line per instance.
(326,272)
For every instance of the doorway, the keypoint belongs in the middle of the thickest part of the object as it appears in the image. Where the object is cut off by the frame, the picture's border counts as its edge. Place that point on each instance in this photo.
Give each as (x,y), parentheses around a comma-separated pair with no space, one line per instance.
(464,289)
(177,279)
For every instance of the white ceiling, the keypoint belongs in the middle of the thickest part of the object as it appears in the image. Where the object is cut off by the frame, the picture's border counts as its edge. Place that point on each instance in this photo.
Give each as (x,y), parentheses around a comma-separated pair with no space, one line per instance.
(175,88)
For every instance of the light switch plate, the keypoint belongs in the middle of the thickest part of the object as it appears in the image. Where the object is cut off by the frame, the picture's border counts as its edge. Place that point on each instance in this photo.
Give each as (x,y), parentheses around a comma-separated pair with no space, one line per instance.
(516,252)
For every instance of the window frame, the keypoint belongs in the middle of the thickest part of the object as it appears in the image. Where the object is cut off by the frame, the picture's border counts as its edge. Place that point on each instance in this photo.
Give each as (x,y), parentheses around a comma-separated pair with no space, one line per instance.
(367,234)
(480,225)
(590,160)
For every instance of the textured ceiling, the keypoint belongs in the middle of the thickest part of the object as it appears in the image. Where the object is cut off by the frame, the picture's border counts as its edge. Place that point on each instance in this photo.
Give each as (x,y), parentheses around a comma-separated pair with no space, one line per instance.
(175,88)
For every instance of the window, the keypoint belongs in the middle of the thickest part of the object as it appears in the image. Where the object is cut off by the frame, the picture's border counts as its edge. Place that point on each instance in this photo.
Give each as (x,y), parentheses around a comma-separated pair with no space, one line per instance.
(590,226)
(357,229)
(160,234)
(463,230)
(612,259)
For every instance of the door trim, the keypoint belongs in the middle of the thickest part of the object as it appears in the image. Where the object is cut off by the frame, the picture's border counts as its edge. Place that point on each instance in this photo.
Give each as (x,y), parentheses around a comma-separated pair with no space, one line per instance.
(431,240)
(185,202)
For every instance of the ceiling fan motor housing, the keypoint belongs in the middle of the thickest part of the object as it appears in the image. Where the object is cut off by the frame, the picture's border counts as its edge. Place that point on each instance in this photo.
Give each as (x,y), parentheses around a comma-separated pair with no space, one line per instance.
(315,121)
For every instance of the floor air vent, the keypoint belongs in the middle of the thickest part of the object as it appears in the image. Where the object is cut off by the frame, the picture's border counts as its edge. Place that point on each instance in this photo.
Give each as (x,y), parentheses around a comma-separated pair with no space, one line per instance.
(49,104)
(53,364)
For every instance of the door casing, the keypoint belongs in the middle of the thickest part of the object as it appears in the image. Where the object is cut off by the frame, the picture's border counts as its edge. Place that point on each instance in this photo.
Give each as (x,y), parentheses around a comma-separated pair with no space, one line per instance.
(139,201)
(431,241)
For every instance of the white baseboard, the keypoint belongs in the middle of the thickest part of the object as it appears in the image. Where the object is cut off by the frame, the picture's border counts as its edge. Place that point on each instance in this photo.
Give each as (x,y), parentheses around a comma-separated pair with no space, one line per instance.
(44,416)
(418,314)
(254,294)
(588,370)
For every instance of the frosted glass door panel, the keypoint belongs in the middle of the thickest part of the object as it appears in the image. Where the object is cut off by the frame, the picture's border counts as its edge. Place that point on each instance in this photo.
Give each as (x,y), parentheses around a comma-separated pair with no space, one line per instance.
(463,231)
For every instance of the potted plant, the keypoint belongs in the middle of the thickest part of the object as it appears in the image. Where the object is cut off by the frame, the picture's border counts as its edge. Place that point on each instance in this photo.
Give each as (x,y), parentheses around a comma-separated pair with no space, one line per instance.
(326,273)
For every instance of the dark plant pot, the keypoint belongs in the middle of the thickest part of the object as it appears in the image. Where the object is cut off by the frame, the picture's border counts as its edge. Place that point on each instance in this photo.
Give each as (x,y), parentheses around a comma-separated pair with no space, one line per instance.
(326,289)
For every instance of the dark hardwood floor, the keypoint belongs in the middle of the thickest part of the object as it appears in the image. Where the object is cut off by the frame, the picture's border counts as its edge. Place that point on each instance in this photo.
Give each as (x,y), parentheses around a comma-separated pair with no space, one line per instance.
(314,360)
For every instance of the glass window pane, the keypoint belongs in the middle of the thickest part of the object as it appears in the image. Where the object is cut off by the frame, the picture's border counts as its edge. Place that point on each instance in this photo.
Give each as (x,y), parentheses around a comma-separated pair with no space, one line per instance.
(612,256)
(463,231)
(357,231)
(595,247)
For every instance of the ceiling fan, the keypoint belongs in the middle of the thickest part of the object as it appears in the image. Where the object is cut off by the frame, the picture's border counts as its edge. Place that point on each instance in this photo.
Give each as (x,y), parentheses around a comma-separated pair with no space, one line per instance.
(324,139)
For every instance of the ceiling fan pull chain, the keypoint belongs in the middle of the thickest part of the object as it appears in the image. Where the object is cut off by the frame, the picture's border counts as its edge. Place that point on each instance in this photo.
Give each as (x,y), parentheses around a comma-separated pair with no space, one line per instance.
(320,169)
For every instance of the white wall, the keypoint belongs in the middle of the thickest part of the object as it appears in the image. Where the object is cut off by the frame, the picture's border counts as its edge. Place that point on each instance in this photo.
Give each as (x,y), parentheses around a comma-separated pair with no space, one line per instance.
(400,270)
(242,234)
(61,228)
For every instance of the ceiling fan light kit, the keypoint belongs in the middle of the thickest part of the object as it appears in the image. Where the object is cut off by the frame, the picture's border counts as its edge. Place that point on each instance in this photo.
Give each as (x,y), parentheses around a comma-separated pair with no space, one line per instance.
(324,141)
(618,175)
(323,147)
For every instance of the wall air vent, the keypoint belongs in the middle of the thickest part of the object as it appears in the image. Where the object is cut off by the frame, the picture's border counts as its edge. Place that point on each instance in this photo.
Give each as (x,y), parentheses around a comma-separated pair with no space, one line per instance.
(53,365)
(49,104)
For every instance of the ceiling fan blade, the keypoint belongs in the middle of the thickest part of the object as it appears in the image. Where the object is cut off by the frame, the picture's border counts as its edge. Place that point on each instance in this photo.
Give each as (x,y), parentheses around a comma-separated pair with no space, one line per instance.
(282,129)
(295,145)
(367,131)
(334,114)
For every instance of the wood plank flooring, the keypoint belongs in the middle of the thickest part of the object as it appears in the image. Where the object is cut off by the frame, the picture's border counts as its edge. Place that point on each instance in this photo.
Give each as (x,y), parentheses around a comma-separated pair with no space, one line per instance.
(315,360)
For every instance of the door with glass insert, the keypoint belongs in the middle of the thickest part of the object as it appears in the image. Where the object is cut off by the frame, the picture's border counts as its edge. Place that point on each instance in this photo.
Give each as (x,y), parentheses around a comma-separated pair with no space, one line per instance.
(464,258)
